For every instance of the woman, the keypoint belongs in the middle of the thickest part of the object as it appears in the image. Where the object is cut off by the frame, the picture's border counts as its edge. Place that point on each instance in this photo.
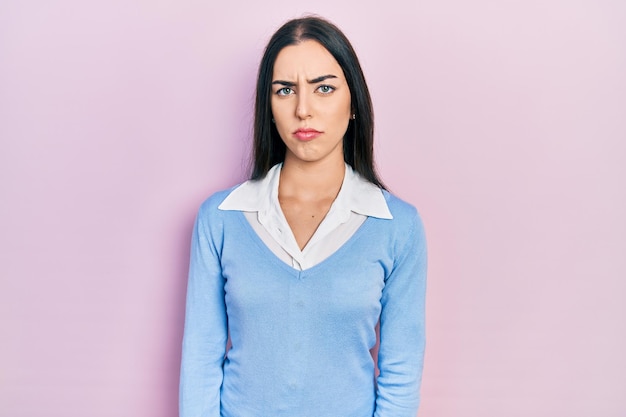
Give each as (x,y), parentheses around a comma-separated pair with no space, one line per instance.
(298,265)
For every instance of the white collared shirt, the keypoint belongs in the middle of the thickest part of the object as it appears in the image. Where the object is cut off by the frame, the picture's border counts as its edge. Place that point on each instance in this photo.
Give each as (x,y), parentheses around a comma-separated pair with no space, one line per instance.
(258,200)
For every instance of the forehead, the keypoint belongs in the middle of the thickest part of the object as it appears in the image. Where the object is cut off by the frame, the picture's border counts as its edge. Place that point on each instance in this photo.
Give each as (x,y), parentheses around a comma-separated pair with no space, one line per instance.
(308,58)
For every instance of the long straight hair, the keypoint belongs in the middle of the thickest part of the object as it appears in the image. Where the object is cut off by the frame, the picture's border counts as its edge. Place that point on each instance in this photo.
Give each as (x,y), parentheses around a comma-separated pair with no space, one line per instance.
(358,141)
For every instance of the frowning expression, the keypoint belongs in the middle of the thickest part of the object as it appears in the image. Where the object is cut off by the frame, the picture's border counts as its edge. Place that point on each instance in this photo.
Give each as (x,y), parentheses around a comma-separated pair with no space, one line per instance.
(310,102)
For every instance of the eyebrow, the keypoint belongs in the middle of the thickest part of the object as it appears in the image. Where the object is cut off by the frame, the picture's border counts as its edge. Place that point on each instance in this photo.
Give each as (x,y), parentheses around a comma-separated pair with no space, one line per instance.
(313,81)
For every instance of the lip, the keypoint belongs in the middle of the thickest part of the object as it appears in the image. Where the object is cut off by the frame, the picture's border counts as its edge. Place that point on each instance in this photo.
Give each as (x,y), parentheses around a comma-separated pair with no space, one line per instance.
(306,134)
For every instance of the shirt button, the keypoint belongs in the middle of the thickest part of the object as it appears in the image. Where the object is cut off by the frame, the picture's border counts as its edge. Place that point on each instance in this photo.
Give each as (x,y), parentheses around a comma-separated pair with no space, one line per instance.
(297,346)
(300,303)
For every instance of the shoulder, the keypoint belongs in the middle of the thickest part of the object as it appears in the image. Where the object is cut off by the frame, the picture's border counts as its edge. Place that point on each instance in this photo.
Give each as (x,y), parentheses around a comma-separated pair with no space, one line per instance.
(407,224)
(403,212)
(209,207)
(408,232)
(211,222)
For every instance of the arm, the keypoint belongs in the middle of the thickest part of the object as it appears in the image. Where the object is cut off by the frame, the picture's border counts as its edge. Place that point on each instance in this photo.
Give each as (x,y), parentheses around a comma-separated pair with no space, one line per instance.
(402,336)
(204,340)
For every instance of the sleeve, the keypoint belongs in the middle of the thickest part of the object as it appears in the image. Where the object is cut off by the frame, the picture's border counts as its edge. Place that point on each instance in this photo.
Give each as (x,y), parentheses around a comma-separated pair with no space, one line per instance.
(205,332)
(402,335)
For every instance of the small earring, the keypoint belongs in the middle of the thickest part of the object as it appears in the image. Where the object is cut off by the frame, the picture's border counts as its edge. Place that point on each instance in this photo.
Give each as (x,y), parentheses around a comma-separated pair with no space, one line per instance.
(353,116)
(273,121)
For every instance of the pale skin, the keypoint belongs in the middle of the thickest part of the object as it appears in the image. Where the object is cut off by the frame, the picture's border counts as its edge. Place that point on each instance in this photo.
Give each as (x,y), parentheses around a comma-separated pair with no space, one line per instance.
(309,91)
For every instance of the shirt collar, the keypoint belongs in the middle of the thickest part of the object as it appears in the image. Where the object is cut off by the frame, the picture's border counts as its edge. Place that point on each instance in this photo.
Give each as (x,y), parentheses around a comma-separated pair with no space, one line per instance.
(254,195)
(356,194)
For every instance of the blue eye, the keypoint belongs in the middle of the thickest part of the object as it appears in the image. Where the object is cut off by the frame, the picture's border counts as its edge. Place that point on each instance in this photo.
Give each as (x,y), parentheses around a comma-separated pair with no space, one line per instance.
(325,89)
(285,91)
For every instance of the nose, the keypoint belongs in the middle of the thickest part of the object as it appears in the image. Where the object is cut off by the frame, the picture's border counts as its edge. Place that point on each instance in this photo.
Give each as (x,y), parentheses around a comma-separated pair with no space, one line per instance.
(303,110)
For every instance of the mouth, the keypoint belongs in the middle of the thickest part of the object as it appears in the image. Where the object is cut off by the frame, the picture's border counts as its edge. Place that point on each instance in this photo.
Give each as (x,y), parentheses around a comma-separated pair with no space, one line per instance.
(306,134)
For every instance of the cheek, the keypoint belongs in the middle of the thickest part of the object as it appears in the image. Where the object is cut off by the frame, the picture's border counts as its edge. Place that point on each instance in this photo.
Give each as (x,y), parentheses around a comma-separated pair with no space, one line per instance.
(278,113)
(280,120)
(346,106)
(341,113)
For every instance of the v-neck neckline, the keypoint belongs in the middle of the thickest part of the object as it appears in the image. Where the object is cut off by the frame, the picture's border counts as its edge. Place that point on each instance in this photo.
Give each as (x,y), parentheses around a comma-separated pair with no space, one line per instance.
(320,265)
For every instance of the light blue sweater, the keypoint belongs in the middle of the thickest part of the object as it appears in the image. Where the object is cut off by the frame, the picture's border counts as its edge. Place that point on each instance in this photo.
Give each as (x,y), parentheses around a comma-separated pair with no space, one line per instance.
(301,340)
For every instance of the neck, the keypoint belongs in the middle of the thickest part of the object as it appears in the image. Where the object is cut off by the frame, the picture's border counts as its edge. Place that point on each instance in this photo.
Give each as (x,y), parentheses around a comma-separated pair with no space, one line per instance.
(306,180)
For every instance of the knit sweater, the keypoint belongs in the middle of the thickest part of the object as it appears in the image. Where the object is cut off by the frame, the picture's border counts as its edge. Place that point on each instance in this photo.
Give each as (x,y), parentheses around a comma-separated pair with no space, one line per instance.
(301,340)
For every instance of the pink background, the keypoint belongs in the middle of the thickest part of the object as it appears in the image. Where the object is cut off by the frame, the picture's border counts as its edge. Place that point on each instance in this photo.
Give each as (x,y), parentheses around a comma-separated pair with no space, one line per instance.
(504,122)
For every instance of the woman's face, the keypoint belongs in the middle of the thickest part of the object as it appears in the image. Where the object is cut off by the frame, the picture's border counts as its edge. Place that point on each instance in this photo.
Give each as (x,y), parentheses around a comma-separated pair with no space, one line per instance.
(310,102)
